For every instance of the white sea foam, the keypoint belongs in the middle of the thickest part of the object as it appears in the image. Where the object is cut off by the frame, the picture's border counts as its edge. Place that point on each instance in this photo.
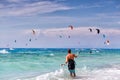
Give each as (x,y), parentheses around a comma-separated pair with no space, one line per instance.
(82,74)
(57,75)
(51,54)
(11,48)
(4,51)
(99,74)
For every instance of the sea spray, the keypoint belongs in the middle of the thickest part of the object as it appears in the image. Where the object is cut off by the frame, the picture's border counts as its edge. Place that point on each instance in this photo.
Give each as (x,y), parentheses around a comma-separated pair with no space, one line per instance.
(4,51)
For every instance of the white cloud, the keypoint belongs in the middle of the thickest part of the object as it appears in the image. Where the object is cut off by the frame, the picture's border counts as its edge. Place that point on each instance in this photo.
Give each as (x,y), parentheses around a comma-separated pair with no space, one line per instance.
(109,15)
(1,6)
(118,22)
(90,6)
(51,37)
(31,8)
(14,1)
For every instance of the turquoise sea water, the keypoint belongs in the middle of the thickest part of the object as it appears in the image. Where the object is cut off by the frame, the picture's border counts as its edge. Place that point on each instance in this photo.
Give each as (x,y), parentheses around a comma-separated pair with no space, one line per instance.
(44,64)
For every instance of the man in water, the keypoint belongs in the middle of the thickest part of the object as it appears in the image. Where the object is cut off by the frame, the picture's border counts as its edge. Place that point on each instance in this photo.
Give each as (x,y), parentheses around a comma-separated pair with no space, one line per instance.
(71,63)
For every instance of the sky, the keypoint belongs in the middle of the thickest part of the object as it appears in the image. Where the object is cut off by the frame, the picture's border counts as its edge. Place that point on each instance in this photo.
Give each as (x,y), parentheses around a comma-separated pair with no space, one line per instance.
(50,19)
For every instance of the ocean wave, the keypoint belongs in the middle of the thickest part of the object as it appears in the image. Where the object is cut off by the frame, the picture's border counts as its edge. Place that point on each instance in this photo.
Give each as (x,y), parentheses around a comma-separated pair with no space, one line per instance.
(82,74)
(11,48)
(4,51)
(57,75)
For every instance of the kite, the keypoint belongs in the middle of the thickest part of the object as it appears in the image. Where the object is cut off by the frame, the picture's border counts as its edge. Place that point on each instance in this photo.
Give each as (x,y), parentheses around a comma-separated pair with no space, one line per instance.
(98,31)
(71,27)
(30,39)
(104,36)
(15,41)
(60,36)
(26,44)
(68,36)
(90,29)
(107,42)
(33,31)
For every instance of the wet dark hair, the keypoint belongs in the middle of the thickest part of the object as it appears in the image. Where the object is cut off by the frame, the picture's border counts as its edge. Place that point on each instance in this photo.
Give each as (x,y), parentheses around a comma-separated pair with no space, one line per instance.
(69,50)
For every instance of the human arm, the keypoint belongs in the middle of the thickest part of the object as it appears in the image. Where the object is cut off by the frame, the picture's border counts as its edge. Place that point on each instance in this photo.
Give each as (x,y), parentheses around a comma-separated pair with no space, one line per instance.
(75,55)
(66,61)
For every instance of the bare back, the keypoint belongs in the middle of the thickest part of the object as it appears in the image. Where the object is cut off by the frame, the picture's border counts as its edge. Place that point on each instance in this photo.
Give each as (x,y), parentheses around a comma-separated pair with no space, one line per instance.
(70,56)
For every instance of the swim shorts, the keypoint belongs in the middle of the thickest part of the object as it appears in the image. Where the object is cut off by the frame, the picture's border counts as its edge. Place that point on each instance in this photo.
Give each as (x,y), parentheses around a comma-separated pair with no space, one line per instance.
(71,64)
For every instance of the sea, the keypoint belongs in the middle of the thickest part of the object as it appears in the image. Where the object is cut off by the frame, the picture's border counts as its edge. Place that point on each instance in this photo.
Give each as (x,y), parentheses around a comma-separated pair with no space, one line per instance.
(45,64)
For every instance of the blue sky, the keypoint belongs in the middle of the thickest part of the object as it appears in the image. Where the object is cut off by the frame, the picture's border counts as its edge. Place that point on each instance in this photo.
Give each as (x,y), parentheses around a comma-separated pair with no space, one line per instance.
(50,20)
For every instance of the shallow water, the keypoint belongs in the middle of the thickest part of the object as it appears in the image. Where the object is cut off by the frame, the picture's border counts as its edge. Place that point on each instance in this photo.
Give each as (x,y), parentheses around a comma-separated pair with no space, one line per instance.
(44,64)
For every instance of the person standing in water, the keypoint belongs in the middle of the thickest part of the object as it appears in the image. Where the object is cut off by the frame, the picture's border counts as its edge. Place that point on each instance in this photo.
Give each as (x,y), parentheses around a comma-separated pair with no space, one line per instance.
(71,63)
